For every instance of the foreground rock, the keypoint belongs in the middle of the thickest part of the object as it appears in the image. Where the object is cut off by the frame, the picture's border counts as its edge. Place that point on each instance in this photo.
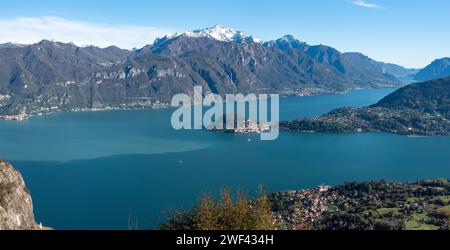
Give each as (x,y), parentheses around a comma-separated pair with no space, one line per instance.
(16,207)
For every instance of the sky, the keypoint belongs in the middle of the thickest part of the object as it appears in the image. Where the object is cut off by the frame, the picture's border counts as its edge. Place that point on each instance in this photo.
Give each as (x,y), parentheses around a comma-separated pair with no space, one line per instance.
(410,33)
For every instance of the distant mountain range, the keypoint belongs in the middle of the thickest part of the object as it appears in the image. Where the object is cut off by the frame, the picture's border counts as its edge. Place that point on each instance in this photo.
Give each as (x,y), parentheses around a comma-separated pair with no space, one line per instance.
(10,45)
(52,76)
(417,109)
(437,69)
(398,71)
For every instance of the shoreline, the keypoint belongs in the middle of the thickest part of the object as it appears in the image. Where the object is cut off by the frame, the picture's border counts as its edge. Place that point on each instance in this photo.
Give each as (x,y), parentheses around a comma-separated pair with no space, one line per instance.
(163,105)
(23,117)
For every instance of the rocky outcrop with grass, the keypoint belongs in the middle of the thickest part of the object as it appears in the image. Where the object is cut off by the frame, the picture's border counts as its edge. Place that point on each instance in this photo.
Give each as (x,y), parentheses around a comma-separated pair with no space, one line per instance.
(16,207)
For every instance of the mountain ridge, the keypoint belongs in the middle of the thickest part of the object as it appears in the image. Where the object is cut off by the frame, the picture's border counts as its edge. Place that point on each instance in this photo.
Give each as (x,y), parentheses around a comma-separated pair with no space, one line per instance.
(439,68)
(52,76)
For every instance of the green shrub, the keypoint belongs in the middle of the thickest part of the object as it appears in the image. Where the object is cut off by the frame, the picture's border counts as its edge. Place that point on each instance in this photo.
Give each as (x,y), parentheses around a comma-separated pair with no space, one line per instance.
(227,213)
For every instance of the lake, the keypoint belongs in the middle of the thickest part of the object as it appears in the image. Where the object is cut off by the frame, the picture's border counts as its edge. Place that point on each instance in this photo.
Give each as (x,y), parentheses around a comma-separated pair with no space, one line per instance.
(99,170)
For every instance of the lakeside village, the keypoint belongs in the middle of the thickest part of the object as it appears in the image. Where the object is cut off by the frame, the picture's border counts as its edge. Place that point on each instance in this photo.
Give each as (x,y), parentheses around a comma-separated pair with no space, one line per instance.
(380,205)
(23,114)
(37,109)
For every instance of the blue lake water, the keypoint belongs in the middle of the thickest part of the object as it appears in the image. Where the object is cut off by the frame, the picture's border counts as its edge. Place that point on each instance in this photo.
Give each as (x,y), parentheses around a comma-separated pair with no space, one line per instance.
(97,170)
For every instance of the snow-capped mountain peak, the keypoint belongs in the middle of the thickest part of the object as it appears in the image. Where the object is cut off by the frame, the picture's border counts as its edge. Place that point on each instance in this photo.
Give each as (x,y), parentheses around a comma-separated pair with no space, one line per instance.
(217,32)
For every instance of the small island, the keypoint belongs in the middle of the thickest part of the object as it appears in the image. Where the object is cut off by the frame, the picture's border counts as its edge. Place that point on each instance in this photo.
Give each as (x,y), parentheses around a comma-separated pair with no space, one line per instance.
(239,125)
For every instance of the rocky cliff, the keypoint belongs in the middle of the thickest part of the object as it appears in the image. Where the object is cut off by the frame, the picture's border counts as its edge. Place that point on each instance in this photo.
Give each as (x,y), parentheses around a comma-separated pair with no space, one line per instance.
(16,207)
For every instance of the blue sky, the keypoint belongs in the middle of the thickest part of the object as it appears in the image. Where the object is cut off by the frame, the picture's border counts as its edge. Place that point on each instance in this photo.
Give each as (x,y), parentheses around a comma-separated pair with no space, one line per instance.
(407,32)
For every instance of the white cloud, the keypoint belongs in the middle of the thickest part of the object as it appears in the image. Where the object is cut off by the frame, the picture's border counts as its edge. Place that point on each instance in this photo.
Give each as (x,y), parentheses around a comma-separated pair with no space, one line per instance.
(362,3)
(28,30)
